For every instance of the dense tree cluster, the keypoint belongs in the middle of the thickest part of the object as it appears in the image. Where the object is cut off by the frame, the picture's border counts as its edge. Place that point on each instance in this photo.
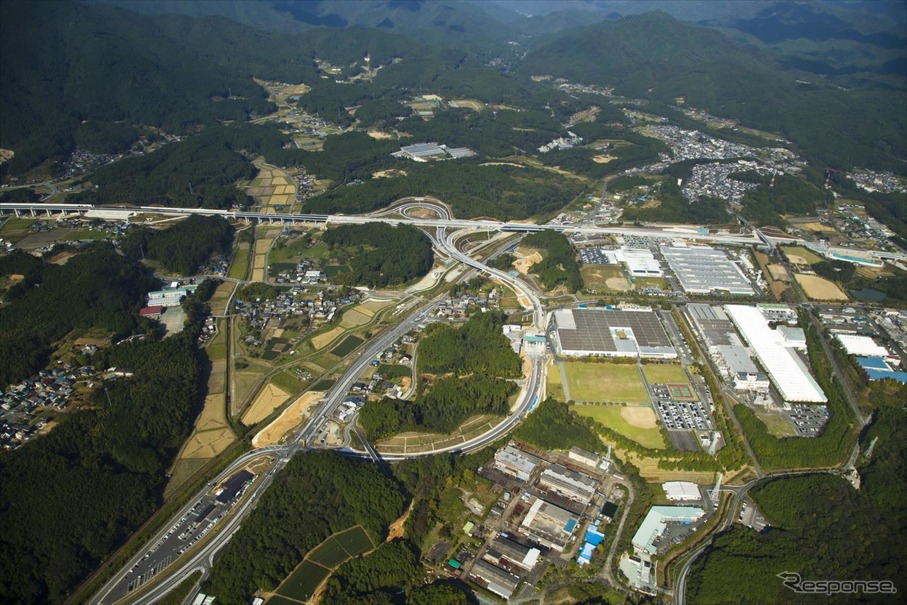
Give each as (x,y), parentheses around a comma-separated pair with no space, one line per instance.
(97,289)
(478,346)
(857,537)
(376,578)
(183,247)
(71,497)
(553,426)
(105,137)
(789,195)
(503,192)
(200,171)
(443,408)
(387,256)
(316,495)
(558,265)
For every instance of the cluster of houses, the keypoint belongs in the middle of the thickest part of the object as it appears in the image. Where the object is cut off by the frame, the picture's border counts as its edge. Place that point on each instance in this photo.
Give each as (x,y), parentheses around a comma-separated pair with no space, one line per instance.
(295,302)
(303,273)
(22,402)
(460,307)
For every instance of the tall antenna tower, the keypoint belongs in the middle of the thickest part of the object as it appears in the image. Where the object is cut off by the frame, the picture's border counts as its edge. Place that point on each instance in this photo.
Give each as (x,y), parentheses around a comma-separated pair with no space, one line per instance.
(715,494)
(713,446)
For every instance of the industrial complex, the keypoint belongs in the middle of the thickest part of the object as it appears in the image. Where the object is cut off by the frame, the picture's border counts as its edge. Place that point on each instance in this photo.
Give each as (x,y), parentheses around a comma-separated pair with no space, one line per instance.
(703,270)
(626,332)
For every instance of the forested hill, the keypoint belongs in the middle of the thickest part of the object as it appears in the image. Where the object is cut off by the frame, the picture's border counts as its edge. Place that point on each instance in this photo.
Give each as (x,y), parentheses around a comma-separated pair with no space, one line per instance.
(654,56)
(62,63)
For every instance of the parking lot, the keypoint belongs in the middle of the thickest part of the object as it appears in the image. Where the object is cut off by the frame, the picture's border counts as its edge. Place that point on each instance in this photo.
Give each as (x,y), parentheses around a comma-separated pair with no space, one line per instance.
(689,415)
(593,256)
(808,420)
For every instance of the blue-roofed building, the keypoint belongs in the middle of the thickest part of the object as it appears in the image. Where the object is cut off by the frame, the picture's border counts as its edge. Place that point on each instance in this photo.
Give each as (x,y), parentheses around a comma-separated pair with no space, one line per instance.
(889,375)
(877,368)
(585,554)
(593,536)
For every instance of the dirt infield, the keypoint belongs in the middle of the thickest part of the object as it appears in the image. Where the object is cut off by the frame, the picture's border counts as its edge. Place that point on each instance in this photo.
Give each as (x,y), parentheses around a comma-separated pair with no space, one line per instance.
(288,420)
(269,399)
(819,288)
(618,283)
(639,416)
(323,339)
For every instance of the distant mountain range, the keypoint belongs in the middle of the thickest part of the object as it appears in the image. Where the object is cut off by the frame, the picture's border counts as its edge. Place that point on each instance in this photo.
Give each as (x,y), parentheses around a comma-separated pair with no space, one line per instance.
(833,86)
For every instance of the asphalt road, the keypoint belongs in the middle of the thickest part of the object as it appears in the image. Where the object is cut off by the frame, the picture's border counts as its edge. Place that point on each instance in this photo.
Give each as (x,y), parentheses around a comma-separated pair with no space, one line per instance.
(166,542)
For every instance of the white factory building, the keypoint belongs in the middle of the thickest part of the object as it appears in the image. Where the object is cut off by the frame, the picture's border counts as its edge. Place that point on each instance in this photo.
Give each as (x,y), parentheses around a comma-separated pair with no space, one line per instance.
(785,368)
(681,491)
(863,346)
(640,262)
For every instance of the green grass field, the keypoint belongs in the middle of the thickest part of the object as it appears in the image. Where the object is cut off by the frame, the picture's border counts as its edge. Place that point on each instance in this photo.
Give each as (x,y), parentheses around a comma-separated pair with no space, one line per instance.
(347,346)
(610,416)
(554,386)
(287,382)
(240,265)
(302,583)
(605,382)
(664,373)
(777,425)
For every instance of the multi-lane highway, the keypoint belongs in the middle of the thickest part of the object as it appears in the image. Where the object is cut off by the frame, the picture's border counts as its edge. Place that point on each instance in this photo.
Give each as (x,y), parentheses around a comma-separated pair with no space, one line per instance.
(664,231)
(165,553)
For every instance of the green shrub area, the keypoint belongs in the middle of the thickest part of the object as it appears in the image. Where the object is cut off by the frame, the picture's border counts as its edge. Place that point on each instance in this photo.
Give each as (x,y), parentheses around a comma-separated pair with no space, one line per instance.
(385,255)
(316,495)
(558,264)
(553,426)
(98,289)
(184,247)
(478,346)
(73,496)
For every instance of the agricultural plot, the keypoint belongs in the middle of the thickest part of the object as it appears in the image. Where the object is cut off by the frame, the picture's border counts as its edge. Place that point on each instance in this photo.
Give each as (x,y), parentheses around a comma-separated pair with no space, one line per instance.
(819,288)
(324,558)
(801,256)
(347,346)
(303,582)
(634,422)
(604,382)
(269,399)
(355,541)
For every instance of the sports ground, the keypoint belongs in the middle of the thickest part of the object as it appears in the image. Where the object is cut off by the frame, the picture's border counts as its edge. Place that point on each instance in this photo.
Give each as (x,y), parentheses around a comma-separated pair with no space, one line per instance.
(604,382)
(634,422)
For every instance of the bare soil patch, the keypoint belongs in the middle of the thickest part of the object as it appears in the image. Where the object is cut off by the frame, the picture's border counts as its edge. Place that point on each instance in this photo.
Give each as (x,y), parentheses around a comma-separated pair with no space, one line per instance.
(641,417)
(291,417)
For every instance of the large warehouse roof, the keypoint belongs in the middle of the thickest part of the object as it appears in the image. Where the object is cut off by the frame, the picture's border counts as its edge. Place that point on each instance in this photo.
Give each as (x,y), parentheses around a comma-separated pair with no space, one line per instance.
(656,521)
(615,332)
(788,372)
(701,270)
(861,345)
